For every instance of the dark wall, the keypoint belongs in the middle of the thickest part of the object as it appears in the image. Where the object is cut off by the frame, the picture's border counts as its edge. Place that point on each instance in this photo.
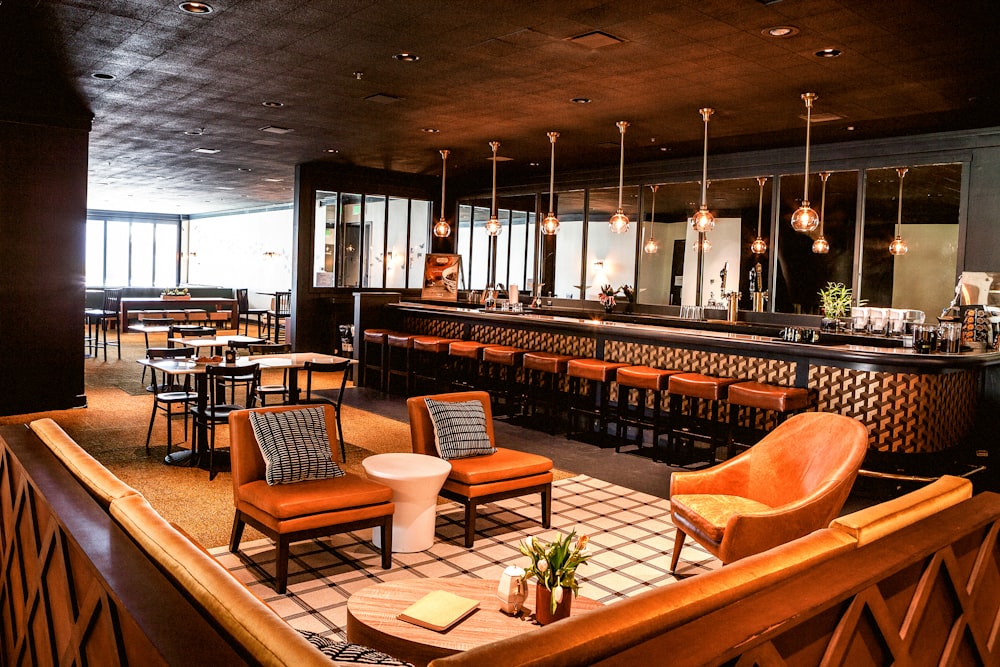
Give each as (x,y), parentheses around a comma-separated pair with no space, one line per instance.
(43,211)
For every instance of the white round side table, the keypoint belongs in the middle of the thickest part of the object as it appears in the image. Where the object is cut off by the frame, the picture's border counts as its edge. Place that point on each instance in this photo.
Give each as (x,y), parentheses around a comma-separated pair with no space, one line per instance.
(415,480)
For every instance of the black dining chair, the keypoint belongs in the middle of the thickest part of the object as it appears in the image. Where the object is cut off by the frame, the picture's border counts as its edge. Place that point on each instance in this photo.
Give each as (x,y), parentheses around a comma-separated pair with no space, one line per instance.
(98,320)
(230,388)
(246,312)
(168,392)
(280,310)
(265,390)
(344,367)
(153,322)
(189,331)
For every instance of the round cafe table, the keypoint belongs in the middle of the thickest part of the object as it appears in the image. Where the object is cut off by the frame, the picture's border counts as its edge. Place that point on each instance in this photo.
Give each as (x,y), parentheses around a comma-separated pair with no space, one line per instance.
(415,480)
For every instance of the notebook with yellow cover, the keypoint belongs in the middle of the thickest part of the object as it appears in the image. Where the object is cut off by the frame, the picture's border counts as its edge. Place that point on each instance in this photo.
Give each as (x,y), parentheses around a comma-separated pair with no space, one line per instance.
(438,610)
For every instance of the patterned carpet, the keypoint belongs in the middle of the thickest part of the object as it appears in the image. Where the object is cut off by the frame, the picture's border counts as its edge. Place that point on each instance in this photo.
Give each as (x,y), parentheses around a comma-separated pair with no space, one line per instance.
(631,539)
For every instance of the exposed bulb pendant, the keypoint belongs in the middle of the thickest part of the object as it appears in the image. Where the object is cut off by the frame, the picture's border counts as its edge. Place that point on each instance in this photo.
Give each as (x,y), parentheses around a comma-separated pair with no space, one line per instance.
(898,245)
(820,245)
(703,220)
(493,225)
(619,221)
(441,228)
(805,218)
(550,225)
(759,245)
(702,244)
(652,246)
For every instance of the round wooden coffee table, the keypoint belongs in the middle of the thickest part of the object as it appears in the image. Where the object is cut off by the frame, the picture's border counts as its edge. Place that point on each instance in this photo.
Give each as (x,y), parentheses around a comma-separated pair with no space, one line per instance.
(372,611)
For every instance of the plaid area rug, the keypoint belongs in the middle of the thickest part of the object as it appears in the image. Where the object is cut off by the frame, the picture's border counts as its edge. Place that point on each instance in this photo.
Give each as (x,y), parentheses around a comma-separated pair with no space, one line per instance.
(631,538)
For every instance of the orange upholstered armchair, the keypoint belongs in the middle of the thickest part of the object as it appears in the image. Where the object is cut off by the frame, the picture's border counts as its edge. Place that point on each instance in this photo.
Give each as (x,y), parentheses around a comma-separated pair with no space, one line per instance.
(789,484)
(482,479)
(290,512)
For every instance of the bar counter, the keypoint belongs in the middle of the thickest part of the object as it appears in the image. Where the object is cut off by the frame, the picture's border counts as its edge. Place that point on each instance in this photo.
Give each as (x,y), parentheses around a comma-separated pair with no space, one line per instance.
(912,403)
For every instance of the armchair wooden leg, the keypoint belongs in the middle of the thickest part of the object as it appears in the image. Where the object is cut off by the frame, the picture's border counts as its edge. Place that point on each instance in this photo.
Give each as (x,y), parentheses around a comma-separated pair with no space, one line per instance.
(387,543)
(678,545)
(237,534)
(547,507)
(470,524)
(281,566)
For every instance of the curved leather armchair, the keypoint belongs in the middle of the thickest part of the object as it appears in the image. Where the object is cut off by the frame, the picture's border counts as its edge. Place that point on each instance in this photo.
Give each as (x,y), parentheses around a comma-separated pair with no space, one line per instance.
(482,479)
(289,513)
(792,482)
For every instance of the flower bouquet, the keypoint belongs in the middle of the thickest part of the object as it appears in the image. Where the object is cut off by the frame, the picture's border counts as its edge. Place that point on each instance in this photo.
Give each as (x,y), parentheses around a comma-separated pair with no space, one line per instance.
(607,297)
(554,565)
(175,293)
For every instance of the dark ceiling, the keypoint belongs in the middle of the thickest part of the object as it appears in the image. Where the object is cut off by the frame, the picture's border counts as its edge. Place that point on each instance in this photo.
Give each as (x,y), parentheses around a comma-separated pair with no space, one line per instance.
(487,70)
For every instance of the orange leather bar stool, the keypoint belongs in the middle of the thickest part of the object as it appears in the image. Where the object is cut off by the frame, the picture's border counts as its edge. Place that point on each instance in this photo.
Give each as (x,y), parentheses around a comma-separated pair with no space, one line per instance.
(399,347)
(431,371)
(466,356)
(375,350)
(592,402)
(500,364)
(695,400)
(756,408)
(543,372)
(643,379)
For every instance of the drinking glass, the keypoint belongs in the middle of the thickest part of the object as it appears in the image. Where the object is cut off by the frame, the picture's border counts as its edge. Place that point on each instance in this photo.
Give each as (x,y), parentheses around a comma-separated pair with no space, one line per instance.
(950,337)
(878,318)
(859,319)
(924,338)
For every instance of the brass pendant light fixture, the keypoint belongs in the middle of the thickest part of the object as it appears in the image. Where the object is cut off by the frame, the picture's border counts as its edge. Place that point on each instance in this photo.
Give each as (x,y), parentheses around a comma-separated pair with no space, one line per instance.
(652,246)
(820,245)
(898,245)
(493,226)
(703,220)
(550,225)
(759,245)
(441,228)
(619,221)
(805,218)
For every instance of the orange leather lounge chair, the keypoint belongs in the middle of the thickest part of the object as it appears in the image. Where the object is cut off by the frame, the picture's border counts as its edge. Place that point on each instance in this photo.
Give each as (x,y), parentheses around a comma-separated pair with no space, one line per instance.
(482,479)
(301,510)
(792,482)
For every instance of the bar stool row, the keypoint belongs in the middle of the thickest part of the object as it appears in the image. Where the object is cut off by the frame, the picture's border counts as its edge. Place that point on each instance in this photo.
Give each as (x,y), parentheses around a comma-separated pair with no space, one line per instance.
(706,416)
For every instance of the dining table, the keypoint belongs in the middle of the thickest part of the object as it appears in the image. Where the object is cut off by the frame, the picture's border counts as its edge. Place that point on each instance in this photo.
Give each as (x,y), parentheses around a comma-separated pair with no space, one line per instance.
(293,362)
(215,343)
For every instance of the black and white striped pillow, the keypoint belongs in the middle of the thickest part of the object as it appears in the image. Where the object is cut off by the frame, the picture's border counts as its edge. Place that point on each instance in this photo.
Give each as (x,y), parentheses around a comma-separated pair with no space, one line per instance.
(344,652)
(459,428)
(295,445)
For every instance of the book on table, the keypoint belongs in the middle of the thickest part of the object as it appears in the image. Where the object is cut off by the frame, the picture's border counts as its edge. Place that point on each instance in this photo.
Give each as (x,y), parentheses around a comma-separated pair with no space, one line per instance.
(438,610)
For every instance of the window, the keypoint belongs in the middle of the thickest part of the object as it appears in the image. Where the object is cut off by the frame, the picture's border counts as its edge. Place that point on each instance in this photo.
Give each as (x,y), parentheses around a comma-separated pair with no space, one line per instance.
(128,250)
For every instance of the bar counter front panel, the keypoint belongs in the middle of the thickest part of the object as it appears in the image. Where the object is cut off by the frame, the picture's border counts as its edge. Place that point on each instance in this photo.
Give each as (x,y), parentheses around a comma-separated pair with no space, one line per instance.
(911,403)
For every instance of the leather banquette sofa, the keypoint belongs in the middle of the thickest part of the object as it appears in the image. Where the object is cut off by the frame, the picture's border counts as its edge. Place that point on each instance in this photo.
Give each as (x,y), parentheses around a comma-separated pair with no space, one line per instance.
(918,575)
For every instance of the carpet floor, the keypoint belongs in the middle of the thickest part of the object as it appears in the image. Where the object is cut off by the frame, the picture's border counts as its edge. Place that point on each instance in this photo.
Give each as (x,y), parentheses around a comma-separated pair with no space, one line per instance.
(631,539)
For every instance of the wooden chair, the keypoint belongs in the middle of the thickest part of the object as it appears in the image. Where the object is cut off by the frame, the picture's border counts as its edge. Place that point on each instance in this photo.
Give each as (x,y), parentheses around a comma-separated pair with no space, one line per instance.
(265,390)
(792,482)
(298,511)
(166,394)
(246,312)
(343,367)
(482,479)
(223,384)
(280,310)
(101,318)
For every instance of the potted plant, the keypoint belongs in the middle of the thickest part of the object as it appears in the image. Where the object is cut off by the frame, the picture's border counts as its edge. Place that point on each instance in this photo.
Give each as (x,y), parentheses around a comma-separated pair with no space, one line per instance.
(607,297)
(554,565)
(629,293)
(834,304)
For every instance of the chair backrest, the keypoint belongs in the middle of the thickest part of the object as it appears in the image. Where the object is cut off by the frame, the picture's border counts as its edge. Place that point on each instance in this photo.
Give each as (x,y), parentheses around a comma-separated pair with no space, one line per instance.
(247,461)
(189,331)
(158,321)
(224,381)
(327,367)
(283,304)
(422,428)
(169,382)
(243,300)
(269,348)
(807,453)
(112,300)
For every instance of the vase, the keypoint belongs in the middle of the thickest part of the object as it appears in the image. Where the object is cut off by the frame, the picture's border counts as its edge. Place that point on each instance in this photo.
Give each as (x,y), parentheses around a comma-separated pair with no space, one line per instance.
(609,308)
(543,605)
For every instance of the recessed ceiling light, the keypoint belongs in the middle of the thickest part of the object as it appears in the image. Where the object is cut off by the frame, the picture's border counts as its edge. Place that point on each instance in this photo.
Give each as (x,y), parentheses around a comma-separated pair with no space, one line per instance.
(244,169)
(580,100)
(332,150)
(595,39)
(274,129)
(274,180)
(828,53)
(406,57)
(103,76)
(196,132)
(780,31)
(207,151)
(430,130)
(272,105)
(195,8)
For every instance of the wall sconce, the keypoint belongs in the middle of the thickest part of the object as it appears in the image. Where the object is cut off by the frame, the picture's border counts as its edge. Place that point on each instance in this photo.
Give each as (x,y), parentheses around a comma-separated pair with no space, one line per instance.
(270,254)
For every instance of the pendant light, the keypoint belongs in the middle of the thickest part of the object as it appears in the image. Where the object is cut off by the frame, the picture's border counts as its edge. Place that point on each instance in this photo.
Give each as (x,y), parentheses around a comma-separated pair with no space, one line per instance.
(619,221)
(550,225)
(703,220)
(820,245)
(805,219)
(898,245)
(652,246)
(493,225)
(702,244)
(759,245)
(441,228)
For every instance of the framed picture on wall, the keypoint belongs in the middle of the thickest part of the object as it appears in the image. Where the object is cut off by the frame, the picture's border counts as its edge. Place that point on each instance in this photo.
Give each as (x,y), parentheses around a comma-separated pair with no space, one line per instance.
(441,273)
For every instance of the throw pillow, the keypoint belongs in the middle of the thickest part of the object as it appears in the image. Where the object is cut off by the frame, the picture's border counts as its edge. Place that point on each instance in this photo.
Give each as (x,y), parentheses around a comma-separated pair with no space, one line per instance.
(459,428)
(351,653)
(295,445)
